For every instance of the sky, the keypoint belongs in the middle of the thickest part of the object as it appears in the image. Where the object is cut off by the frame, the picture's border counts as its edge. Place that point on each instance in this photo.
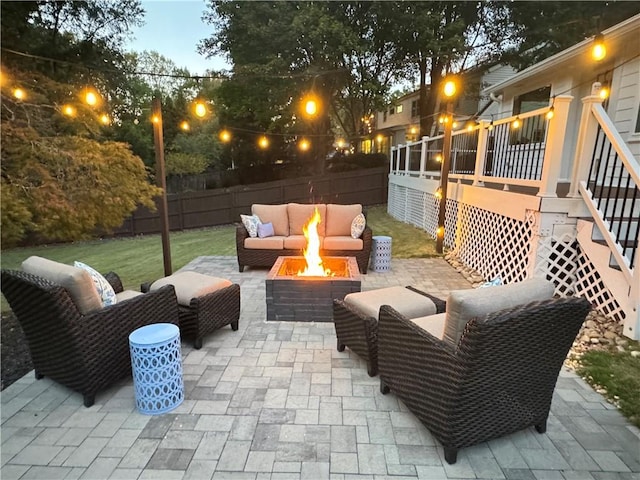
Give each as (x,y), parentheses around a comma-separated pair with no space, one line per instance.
(173,28)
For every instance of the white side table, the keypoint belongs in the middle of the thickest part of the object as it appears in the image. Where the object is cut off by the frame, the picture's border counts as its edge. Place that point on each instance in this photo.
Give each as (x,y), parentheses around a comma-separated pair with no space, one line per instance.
(380,253)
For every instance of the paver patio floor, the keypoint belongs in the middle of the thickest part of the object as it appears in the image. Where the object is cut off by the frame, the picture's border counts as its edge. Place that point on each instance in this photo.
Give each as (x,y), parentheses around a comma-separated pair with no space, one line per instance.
(276,400)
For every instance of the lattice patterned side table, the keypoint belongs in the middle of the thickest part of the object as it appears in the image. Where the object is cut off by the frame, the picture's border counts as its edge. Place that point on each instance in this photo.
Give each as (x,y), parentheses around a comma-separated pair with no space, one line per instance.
(157,368)
(380,253)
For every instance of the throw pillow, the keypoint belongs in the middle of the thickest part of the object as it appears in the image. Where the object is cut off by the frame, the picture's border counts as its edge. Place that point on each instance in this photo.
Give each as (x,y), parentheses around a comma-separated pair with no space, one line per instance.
(357,225)
(251,223)
(104,288)
(494,282)
(265,230)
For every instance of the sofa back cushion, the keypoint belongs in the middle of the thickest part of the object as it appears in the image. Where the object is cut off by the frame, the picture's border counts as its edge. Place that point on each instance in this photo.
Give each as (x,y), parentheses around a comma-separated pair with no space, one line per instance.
(275,214)
(300,214)
(75,280)
(339,219)
(463,305)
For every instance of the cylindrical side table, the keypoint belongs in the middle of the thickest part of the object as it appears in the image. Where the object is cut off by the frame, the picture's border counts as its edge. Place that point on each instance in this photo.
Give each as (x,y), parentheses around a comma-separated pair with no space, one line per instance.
(157,368)
(380,253)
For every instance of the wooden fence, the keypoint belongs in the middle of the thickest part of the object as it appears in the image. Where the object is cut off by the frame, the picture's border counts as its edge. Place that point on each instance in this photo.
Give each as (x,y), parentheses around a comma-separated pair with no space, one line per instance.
(223,206)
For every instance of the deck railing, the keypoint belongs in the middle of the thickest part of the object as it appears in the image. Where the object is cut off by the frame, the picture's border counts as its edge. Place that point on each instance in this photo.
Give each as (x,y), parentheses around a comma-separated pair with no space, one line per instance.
(499,152)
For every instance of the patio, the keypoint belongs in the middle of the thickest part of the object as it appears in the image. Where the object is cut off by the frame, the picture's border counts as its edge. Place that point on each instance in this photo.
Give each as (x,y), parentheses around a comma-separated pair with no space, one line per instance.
(276,400)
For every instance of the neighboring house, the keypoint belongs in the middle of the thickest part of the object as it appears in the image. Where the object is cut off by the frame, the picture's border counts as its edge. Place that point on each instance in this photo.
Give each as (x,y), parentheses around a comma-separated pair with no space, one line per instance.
(548,183)
(399,123)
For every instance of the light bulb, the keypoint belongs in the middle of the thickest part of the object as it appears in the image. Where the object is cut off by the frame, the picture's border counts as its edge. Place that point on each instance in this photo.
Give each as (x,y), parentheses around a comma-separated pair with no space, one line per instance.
(19,94)
(225,136)
(200,109)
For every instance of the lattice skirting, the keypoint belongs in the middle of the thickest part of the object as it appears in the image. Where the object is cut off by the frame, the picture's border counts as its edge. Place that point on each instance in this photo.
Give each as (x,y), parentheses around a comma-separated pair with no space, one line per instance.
(494,244)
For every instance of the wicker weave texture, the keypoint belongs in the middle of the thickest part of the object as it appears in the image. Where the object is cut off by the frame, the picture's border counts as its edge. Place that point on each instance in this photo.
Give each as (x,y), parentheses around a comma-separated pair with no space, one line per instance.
(206,314)
(86,353)
(251,257)
(500,378)
(359,332)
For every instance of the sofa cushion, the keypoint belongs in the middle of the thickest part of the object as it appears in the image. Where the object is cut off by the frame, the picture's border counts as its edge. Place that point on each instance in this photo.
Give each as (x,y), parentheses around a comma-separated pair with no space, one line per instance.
(296,242)
(104,288)
(268,243)
(339,219)
(75,280)
(342,243)
(127,294)
(407,302)
(190,285)
(463,305)
(300,214)
(434,324)
(276,214)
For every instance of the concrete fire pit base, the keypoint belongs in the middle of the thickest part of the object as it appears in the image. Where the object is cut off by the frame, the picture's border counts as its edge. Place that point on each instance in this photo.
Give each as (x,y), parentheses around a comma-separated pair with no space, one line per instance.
(308,299)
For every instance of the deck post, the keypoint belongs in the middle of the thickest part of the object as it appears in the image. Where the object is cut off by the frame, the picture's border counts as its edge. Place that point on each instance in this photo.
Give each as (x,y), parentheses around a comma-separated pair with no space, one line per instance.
(481,153)
(423,156)
(552,163)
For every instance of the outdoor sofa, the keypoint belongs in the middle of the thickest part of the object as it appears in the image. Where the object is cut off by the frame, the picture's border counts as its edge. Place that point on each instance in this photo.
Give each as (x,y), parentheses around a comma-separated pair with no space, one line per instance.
(342,229)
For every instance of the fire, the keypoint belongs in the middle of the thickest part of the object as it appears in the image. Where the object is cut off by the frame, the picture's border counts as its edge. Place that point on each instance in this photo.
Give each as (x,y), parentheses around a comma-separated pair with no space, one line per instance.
(315,268)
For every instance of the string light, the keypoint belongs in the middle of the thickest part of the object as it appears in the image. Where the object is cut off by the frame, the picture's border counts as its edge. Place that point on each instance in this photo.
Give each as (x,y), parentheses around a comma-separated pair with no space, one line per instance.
(438,157)
(155,119)
(104,119)
(200,109)
(490,127)
(604,93)
(68,110)
(185,126)
(91,98)
(263,142)
(225,136)
(19,93)
(438,193)
(304,145)
(516,123)
(599,50)
(549,115)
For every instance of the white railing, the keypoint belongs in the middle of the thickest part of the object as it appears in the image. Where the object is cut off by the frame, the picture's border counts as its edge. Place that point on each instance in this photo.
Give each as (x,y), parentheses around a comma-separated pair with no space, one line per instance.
(606,176)
(495,152)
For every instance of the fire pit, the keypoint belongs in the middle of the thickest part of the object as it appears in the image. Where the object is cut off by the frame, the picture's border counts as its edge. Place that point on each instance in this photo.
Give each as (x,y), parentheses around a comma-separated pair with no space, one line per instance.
(295,297)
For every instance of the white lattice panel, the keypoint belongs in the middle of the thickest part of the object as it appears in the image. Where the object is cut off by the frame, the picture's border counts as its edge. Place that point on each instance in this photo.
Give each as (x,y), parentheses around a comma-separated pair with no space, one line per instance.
(415,207)
(450,223)
(494,244)
(556,260)
(589,285)
(396,202)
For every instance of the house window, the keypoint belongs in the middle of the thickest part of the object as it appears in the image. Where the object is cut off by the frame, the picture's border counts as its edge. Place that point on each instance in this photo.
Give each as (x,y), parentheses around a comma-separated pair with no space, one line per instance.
(392,110)
(384,116)
(415,108)
(399,109)
(533,129)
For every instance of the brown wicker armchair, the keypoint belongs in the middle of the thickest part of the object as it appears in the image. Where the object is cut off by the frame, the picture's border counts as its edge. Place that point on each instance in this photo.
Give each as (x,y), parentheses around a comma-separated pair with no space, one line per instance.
(498,380)
(84,352)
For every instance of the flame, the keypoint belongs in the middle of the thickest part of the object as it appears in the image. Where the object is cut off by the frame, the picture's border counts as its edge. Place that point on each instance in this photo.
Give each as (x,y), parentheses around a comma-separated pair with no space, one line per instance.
(315,268)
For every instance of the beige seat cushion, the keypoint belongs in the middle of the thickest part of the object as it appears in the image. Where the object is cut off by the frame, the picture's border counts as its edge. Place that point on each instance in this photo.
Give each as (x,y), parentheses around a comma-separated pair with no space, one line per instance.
(190,285)
(127,294)
(342,243)
(267,243)
(275,214)
(408,303)
(339,218)
(434,324)
(300,214)
(296,242)
(463,305)
(75,280)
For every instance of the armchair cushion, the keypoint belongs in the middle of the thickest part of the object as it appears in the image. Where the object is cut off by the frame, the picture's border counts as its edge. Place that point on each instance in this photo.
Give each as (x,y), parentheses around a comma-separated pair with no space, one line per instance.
(127,294)
(104,288)
(463,305)
(75,280)
(434,324)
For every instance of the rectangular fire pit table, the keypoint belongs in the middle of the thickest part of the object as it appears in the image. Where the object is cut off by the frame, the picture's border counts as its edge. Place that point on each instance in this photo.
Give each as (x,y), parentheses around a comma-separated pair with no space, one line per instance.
(308,299)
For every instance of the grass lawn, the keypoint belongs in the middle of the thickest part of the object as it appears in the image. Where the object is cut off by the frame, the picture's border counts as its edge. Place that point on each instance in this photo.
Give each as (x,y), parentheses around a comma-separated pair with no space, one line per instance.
(139,259)
(618,374)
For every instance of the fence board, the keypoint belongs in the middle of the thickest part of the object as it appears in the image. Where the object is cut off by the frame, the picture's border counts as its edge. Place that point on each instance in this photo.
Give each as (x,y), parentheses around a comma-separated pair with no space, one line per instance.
(223,206)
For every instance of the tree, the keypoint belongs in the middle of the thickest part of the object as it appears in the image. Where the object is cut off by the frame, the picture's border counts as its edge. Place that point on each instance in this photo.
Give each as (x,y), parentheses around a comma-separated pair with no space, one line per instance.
(541,29)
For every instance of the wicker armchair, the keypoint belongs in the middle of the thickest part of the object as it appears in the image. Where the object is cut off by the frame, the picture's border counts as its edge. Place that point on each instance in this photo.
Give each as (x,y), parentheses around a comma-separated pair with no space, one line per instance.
(84,352)
(498,380)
